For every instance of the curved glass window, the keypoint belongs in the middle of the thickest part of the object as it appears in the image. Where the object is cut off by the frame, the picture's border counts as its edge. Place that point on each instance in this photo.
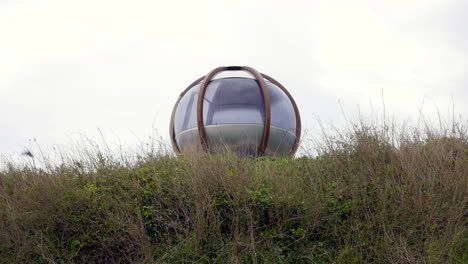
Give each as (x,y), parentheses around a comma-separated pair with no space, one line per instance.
(282,110)
(235,101)
(186,114)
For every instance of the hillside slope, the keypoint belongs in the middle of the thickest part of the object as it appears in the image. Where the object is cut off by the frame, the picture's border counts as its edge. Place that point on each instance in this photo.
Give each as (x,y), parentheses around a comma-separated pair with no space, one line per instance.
(362,199)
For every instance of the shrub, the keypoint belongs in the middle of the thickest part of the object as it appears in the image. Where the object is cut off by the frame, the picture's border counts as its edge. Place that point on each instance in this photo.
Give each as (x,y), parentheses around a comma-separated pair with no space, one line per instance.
(366,198)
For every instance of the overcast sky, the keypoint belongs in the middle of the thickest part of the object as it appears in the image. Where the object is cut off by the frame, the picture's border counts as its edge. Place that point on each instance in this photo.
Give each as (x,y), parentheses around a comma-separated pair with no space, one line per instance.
(69,68)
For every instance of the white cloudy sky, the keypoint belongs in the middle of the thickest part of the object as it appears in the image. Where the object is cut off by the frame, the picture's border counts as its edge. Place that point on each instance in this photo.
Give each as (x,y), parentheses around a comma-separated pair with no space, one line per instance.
(69,68)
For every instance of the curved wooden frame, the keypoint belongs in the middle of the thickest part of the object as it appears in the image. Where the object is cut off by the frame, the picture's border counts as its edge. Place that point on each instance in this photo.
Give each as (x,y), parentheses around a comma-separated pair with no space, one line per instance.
(171,124)
(266,98)
(296,111)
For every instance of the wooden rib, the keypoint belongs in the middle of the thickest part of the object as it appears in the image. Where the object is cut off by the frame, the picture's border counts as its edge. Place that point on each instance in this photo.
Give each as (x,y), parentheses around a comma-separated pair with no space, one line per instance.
(175,146)
(266,98)
(296,111)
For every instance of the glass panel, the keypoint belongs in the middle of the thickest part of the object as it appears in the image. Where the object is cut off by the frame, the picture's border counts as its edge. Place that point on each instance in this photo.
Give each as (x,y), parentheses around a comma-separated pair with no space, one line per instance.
(282,110)
(189,140)
(233,101)
(243,139)
(186,113)
(280,142)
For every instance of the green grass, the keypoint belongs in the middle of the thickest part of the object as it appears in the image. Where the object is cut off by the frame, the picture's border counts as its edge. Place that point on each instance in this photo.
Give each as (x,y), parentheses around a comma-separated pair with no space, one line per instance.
(366,197)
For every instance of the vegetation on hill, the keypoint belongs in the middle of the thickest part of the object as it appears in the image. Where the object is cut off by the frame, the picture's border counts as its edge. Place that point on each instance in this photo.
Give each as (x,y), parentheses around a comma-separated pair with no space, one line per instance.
(368,196)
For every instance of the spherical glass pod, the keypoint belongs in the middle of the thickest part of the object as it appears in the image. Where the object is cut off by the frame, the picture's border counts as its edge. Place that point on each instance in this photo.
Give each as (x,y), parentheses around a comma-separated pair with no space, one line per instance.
(251,116)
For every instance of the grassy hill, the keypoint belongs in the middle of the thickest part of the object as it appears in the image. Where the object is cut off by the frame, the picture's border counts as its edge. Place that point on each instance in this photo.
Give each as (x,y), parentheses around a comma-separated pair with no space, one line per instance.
(368,196)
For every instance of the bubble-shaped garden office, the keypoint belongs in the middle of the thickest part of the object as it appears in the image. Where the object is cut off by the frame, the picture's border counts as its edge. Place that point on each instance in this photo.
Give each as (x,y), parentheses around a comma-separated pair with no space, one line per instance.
(238,108)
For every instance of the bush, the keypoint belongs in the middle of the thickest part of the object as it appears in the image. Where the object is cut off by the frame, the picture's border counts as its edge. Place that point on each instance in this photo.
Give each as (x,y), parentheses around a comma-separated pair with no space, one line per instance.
(366,198)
